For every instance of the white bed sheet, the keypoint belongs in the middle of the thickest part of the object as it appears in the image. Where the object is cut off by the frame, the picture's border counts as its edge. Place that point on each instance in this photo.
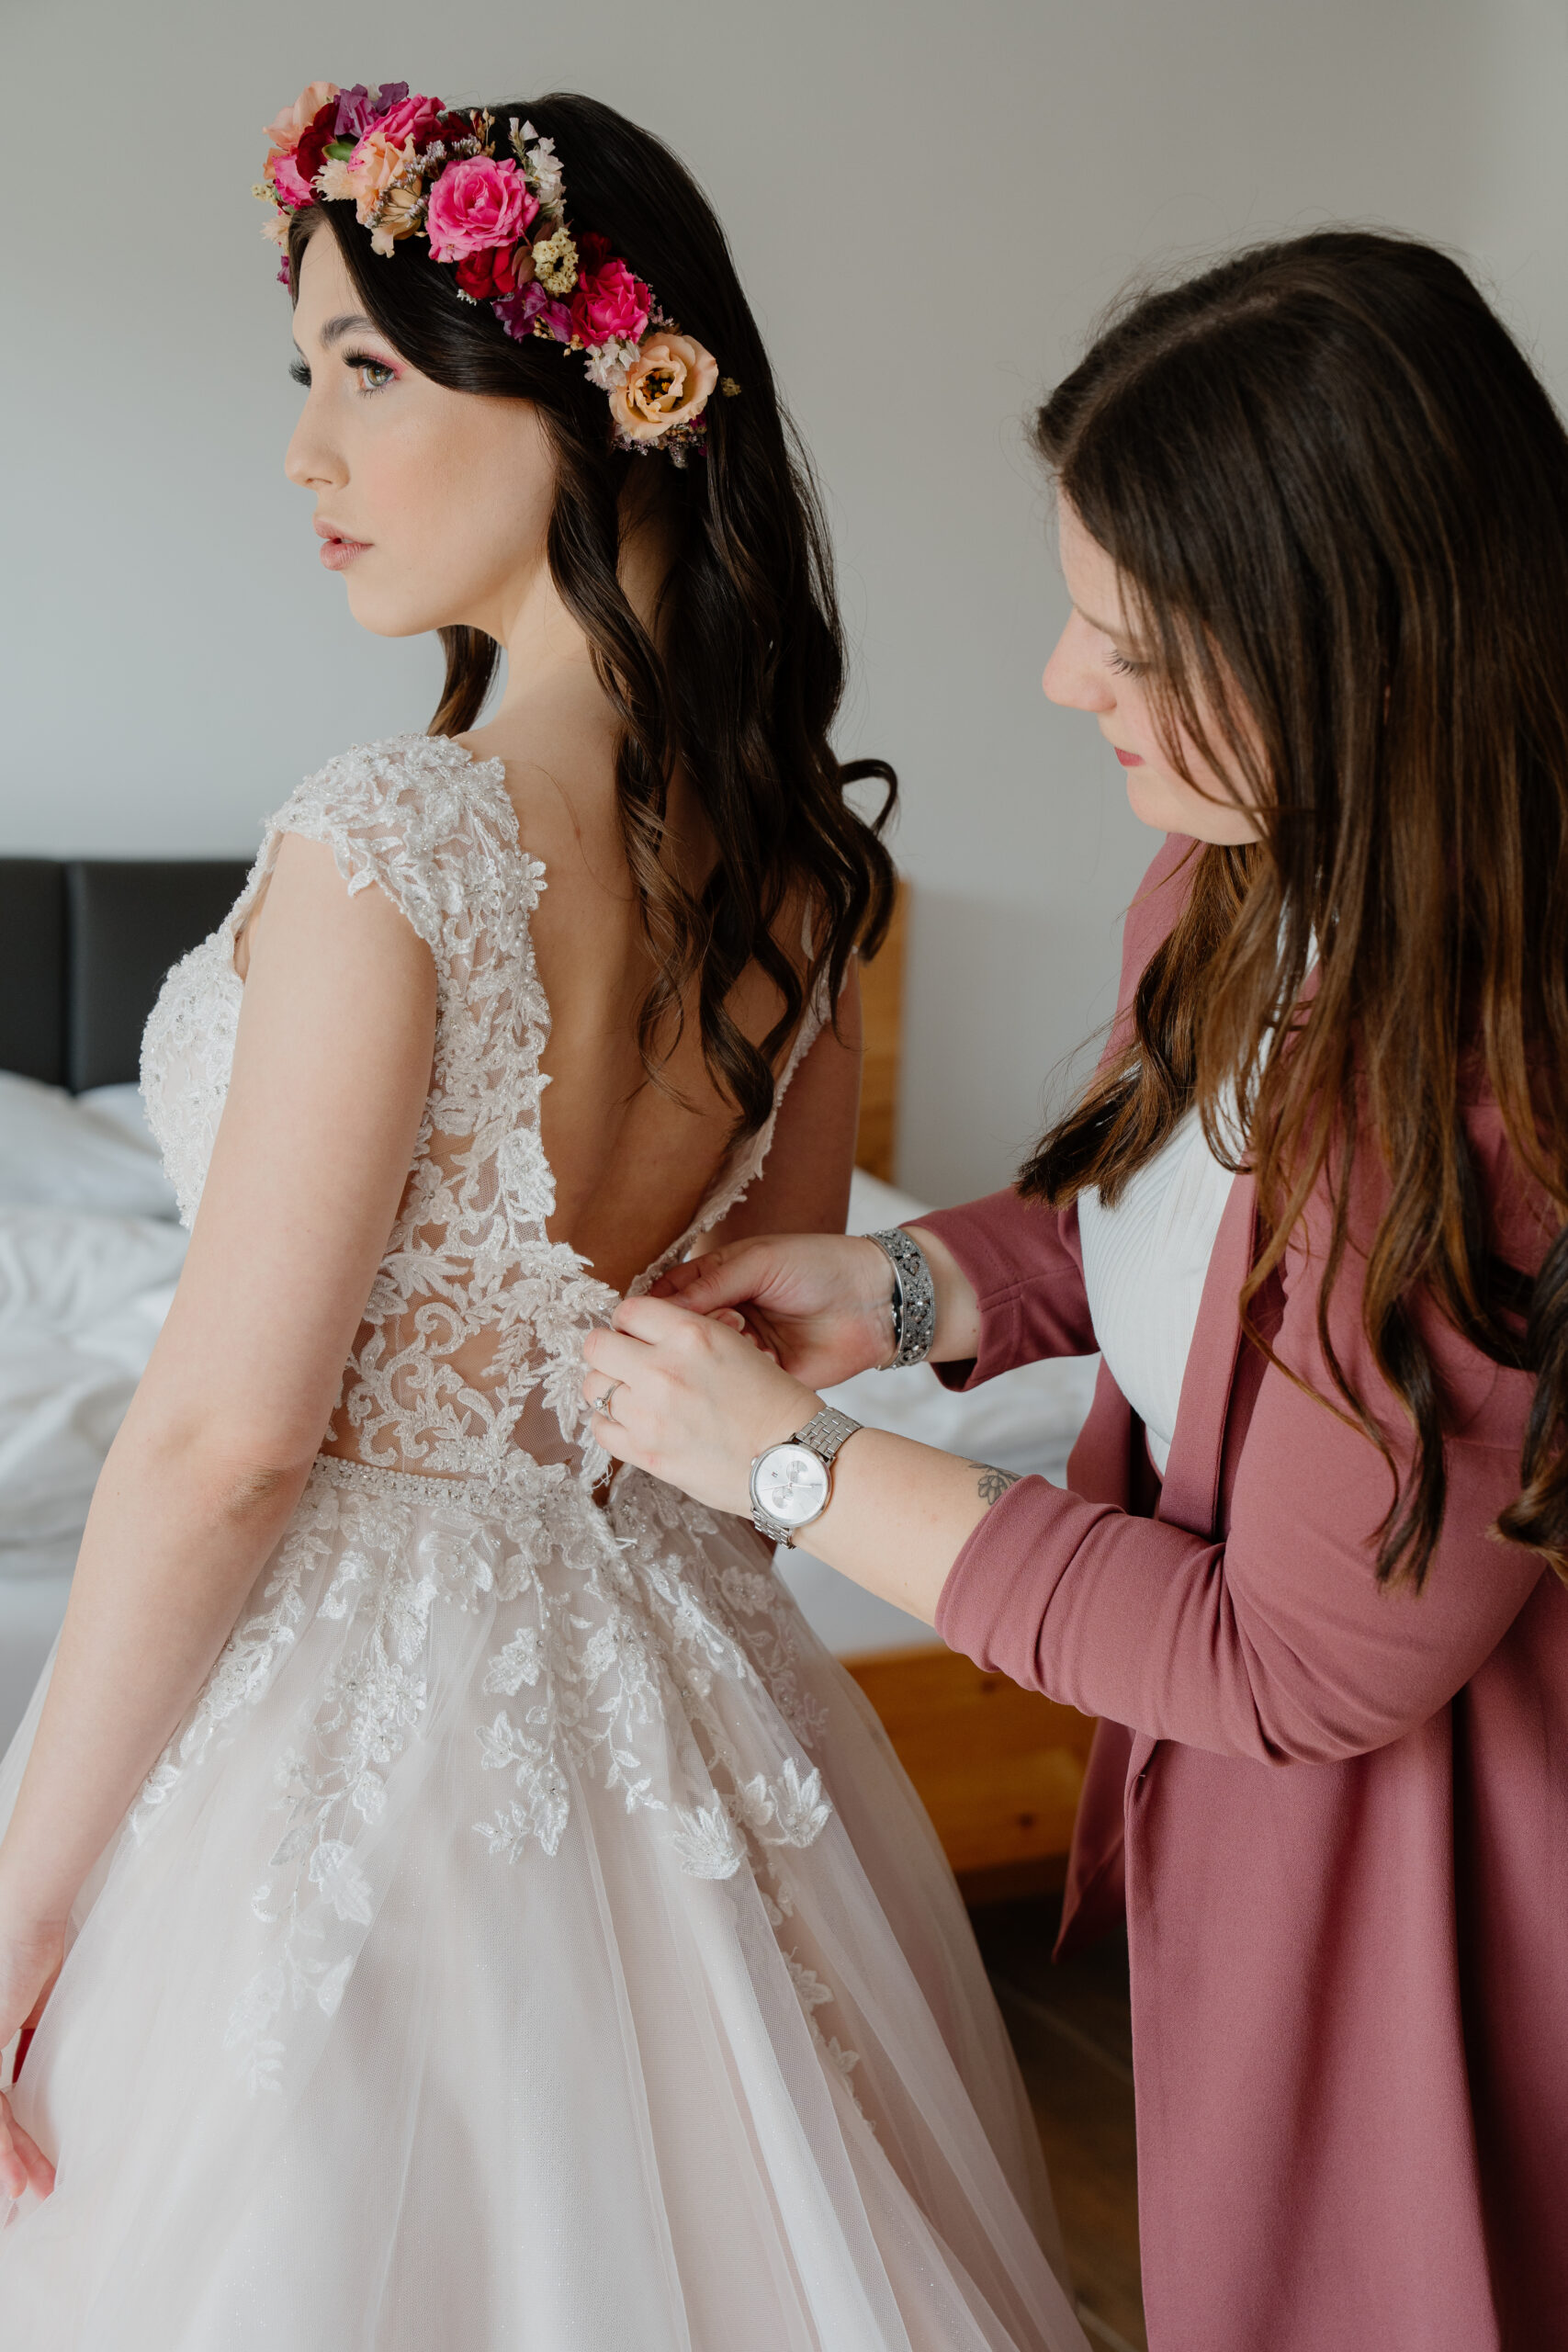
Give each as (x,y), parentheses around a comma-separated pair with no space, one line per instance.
(89,1256)
(79,1151)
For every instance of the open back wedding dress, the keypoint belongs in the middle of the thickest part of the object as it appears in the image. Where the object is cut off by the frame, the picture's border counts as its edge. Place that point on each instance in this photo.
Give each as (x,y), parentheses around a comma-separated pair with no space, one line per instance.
(528,1939)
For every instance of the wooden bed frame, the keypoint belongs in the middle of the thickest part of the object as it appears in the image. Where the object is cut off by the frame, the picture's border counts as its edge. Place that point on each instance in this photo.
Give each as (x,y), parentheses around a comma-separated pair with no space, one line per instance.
(998,1770)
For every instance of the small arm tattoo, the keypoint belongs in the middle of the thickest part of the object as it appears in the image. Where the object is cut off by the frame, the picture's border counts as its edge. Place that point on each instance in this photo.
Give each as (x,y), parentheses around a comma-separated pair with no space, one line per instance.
(994,1482)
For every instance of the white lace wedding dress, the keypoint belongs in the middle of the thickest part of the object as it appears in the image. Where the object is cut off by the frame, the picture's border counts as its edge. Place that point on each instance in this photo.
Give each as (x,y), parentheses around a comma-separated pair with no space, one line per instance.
(528,1939)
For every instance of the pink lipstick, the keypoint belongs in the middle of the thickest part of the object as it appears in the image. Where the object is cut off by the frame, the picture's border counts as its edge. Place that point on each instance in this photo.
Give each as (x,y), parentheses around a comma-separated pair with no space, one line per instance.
(1128,758)
(338,550)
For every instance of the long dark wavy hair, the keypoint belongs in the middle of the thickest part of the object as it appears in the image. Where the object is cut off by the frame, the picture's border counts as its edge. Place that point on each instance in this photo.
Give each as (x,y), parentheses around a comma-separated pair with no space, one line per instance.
(1338,497)
(743,694)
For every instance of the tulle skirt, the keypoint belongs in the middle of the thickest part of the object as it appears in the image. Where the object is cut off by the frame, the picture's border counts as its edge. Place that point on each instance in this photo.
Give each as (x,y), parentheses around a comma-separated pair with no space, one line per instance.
(529,1941)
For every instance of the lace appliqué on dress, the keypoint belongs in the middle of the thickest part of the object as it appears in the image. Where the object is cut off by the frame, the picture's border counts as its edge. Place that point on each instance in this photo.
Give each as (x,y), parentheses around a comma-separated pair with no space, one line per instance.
(474,1309)
(611,1645)
(614,1643)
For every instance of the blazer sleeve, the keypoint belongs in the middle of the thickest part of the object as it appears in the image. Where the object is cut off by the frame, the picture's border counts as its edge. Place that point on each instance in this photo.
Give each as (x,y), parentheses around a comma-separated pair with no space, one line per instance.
(1276,1643)
(1025,1266)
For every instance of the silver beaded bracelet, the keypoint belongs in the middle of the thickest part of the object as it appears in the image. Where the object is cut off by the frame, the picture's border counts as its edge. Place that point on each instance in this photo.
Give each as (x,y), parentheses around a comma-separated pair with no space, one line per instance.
(914,1298)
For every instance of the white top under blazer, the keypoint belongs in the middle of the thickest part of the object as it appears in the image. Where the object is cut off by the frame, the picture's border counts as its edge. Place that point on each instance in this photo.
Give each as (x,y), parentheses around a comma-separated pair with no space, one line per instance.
(1145,1263)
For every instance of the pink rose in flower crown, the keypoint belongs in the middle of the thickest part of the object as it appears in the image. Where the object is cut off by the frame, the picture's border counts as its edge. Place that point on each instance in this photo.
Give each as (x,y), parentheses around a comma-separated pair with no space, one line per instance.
(287,178)
(609,301)
(284,130)
(413,118)
(478,203)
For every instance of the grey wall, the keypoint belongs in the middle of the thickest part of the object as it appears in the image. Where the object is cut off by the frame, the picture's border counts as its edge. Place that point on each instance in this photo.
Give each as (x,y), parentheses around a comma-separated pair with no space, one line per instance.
(928,202)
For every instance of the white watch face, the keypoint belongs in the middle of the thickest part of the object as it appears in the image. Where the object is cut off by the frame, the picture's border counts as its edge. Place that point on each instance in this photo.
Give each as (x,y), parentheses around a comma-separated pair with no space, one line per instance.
(791,1484)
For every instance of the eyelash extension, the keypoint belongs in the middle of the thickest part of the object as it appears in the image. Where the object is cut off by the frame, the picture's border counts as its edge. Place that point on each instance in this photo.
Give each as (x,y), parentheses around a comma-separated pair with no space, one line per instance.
(1120,662)
(360,360)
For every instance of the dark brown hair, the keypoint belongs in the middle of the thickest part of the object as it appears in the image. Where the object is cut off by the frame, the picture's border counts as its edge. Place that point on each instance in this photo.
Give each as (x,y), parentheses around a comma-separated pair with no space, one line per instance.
(1338,497)
(744,693)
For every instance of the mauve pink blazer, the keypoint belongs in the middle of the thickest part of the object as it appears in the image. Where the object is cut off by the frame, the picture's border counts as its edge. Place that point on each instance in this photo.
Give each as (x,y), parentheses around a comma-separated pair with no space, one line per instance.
(1339,1820)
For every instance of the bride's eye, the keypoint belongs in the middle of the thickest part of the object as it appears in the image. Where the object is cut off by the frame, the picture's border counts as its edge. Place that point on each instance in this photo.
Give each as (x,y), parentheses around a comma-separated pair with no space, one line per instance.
(374,375)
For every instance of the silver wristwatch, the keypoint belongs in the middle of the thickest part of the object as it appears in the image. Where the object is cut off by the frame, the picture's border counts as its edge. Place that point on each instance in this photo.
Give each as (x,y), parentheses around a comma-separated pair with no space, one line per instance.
(792,1484)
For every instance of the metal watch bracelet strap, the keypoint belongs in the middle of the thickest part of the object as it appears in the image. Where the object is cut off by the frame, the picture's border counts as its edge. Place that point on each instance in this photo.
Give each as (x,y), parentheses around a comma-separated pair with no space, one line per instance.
(914,1298)
(823,1435)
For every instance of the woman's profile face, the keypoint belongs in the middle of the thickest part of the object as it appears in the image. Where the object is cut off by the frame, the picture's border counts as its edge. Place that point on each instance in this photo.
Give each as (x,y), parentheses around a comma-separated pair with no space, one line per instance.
(1098,665)
(433,504)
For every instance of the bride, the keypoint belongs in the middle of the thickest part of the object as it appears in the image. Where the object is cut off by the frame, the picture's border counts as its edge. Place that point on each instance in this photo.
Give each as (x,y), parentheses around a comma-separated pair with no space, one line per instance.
(448,1896)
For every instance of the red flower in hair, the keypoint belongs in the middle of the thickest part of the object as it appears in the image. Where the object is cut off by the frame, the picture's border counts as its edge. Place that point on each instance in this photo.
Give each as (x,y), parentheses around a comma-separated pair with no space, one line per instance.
(449,128)
(497,270)
(311,151)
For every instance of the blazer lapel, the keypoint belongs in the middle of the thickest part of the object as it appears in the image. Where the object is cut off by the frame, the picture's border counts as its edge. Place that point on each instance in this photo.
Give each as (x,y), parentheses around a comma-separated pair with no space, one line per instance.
(1190,1496)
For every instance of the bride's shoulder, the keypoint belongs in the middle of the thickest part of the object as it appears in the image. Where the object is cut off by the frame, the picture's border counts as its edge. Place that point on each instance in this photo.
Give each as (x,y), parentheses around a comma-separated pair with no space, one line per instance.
(423,783)
(419,815)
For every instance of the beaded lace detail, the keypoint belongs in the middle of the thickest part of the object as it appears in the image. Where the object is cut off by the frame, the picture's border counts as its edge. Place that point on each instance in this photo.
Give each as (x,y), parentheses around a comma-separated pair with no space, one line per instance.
(476,1316)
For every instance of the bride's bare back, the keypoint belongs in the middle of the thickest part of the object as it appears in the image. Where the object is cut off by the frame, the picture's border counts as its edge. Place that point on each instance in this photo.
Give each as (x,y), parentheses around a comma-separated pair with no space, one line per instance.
(633,1161)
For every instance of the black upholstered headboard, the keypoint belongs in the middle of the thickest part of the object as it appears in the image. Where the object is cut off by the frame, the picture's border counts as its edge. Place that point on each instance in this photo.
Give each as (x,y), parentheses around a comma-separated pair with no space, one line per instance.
(85,944)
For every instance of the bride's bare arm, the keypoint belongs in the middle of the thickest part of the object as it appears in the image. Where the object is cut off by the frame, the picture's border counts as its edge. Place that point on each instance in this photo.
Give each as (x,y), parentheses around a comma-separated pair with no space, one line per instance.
(331,1074)
(805,1187)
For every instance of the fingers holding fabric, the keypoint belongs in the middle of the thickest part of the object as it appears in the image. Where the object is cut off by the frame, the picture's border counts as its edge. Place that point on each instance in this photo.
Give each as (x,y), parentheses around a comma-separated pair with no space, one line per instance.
(819,1303)
(691,1401)
(721,1277)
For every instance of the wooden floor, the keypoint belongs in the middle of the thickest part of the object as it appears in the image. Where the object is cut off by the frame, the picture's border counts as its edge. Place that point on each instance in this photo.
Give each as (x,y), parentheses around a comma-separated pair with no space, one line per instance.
(1073,2030)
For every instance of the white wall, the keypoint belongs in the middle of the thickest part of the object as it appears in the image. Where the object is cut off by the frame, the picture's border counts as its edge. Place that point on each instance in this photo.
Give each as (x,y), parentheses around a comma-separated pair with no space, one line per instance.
(928,203)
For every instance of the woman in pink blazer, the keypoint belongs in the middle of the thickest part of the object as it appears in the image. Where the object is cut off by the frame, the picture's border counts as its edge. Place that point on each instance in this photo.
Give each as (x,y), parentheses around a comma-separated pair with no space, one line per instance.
(1315,523)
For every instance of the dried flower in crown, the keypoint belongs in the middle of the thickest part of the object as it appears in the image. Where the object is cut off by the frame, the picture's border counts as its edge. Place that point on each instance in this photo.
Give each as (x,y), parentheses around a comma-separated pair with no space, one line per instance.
(413,167)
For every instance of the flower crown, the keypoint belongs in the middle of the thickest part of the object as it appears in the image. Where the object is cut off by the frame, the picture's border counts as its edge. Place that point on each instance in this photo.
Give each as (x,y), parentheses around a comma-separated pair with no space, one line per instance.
(414,166)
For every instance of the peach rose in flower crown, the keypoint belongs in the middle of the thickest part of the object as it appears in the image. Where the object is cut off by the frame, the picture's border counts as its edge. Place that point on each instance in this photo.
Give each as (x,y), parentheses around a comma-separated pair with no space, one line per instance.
(400,215)
(668,383)
(478,203)
(375,164)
